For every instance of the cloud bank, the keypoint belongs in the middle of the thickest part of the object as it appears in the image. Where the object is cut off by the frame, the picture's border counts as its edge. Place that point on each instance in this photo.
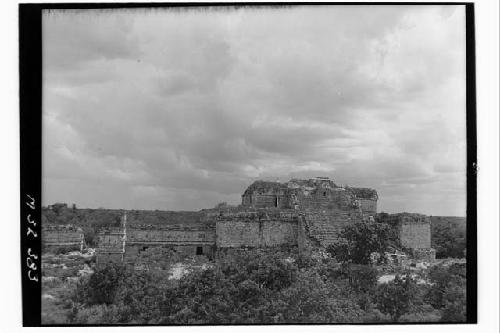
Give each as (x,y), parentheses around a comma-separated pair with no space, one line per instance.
(182,109)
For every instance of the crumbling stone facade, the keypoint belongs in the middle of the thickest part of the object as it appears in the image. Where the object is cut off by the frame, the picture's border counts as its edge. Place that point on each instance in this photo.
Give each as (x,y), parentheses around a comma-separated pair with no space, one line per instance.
(184,239)
(303,213)
(111,245)
(313,194)
(125,243)
(67,236)
(324,227)
(263,228)
(414,234)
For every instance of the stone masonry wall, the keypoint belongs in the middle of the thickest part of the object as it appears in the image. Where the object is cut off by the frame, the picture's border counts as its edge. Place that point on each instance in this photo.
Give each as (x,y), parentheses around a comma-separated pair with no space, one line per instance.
(133,251)
(414,230)
(319,193)
(266,201)
(368,206)
(66,235)
(326,199)
(324,227)
(304,242)
(415,234)
(252,229)
(118,244)
(321,228)
(238,233)
(110,245)
(256,233)
(279,233)
(110,240)
(173,237)
(262,201)
(426,254)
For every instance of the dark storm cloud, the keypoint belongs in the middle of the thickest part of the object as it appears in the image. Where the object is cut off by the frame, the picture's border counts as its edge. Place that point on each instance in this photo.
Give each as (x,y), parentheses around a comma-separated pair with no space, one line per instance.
(183,109)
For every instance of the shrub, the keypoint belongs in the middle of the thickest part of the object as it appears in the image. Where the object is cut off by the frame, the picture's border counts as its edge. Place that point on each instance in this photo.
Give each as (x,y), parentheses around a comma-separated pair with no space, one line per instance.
(95,314)
(448,238)
(102,286)
(255,286)
(269,270)
(312,300)
(445,280)
(360,240)
(395,298)
(448,292)
(362,277)
(455,305)
(89,234)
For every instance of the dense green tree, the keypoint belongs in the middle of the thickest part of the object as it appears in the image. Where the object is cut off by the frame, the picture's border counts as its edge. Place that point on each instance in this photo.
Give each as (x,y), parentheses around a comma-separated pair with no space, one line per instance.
(89,234)
(455,304)
(102,286)
(360,240)
(312,300)
(269,269)
(395,297)
(261,286)
(362,278)
(448,292)
(442,279)
(448,239)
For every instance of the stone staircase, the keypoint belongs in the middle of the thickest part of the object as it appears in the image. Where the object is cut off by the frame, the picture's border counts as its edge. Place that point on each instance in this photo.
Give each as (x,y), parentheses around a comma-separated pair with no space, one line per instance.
(325,226)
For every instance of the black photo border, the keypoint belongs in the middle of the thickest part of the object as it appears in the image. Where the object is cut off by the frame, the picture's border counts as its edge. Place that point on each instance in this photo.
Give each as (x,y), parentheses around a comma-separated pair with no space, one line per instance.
(30,118)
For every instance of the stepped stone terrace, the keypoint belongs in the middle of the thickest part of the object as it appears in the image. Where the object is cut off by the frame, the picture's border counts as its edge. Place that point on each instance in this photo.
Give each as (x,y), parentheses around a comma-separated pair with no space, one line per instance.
(301,213)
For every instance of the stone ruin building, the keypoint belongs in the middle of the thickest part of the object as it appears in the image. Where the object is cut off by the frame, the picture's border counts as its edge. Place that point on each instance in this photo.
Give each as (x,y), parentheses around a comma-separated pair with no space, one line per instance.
(304,213)
(126,242)
(414,234)
(62,236)
(313,194)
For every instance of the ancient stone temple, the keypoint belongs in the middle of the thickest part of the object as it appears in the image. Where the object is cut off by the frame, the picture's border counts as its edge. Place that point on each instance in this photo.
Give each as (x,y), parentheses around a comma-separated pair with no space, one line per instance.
(319,193)
(303,213)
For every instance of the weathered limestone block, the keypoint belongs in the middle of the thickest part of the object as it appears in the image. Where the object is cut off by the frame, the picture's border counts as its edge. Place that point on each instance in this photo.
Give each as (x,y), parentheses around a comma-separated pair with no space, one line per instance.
(173,237)
(368,206)
(414,231)
(424,254)
(63,236)
(130,242)
(326,226)
(110,245)
(276,233)
(264,227)
(154,254)
(415,235)
(238,233)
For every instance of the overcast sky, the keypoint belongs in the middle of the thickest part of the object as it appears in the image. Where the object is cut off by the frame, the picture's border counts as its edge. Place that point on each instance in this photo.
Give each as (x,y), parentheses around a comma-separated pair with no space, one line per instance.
(180,110)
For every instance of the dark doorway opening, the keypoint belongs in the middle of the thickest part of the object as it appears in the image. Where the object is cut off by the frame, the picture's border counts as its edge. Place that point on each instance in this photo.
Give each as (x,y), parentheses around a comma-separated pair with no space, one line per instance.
(199,250)
(276,202)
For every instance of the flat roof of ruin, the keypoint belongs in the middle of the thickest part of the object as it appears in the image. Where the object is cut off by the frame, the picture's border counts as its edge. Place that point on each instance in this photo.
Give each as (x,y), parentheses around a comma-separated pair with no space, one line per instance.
(61,227)
(262,186)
